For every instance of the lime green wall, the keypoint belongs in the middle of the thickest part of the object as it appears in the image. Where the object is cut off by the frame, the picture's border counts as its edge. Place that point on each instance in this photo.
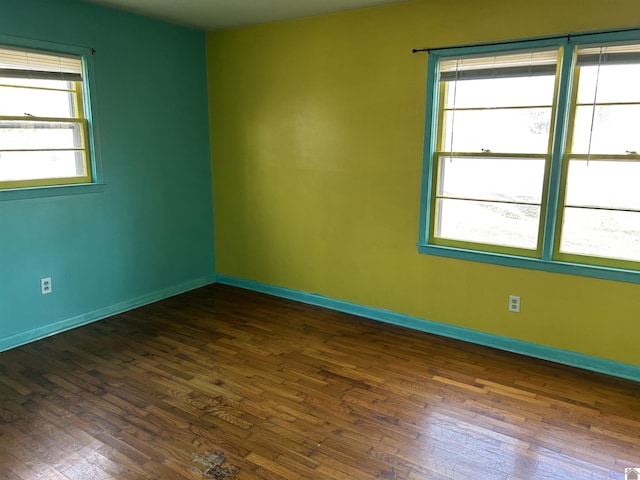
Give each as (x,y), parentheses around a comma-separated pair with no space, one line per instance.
(316,134)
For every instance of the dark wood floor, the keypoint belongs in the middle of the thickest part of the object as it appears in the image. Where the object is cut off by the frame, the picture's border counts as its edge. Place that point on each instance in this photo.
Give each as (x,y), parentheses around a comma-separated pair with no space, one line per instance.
(290,391)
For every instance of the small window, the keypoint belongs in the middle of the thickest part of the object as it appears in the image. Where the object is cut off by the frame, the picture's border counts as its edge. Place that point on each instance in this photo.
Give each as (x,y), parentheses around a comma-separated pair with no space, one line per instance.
(532,153)
(43,120)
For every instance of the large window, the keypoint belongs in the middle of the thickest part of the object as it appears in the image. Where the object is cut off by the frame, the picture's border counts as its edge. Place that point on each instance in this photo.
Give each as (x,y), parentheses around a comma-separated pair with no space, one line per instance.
(532,154)
(44,137)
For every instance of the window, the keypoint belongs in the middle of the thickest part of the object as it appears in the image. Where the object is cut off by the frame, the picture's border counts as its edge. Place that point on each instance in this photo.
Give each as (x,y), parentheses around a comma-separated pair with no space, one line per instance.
(532,154)
(44,135)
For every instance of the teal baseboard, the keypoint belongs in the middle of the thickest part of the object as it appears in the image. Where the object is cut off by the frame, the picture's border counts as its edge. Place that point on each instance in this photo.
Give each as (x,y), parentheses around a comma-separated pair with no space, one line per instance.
(586,362)
(101,313)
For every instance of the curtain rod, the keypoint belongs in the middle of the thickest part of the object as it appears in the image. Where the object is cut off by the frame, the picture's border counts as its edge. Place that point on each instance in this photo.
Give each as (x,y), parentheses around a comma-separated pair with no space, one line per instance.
(568,36)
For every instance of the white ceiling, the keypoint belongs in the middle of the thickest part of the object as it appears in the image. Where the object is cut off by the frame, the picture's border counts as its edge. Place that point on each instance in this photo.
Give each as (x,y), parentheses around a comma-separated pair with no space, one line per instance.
(218,14)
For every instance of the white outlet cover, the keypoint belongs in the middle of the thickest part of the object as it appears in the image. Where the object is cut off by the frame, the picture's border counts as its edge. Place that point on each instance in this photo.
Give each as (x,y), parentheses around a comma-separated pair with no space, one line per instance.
(45,286)
(514,303)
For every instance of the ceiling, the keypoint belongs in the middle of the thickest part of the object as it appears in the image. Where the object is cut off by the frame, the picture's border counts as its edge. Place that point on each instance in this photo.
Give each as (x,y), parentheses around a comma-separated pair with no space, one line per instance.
(218,14)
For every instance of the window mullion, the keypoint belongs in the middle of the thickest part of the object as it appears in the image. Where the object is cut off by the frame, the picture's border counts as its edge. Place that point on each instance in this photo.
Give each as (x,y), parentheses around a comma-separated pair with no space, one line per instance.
(557,152)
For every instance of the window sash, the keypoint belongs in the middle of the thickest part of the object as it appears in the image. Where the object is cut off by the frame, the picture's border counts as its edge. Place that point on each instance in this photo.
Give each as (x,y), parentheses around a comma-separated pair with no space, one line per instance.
(80,120)
(504,247)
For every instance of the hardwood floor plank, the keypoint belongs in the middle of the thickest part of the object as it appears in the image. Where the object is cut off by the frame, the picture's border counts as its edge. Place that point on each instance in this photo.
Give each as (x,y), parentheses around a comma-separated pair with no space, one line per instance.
(292,391)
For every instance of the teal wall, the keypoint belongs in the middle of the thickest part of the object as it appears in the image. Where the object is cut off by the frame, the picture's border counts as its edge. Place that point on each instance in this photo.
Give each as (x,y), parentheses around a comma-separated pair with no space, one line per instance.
(148,232)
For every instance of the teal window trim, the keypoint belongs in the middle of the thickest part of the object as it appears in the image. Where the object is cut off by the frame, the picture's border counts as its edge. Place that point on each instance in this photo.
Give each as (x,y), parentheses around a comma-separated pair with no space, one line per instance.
(90,114)
(51,191)
(546,262)
(553,266)
(557,153)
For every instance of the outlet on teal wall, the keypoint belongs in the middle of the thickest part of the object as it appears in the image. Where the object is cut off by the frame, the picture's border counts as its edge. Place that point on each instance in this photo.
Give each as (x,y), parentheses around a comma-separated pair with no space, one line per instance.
(147,233)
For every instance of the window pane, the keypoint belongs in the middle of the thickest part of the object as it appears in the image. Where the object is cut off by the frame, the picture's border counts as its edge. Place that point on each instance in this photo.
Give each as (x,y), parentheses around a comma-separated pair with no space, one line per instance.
(615,129)
(601,233)
(609,184)
(502,179)
(21,135)
(501,92)
(616,83)
(488,222)
(524,130)
(38,165)
(37,103)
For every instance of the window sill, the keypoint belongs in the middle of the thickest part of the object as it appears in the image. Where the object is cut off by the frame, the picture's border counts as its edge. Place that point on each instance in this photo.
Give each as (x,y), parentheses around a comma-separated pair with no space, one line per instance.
(52,191)
(592,271)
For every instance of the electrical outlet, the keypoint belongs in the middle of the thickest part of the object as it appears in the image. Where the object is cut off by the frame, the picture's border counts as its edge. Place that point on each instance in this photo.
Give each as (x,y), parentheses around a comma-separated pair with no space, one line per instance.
(514,303)
(45,285)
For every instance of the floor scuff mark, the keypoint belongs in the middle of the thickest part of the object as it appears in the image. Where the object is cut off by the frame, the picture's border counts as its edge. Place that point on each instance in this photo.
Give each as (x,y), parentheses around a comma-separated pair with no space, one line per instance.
(212,461)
